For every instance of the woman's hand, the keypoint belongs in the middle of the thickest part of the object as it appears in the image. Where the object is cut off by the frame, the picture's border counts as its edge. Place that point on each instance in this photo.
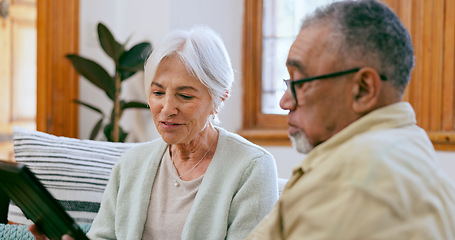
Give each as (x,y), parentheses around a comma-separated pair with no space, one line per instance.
(40,236)
(36,233)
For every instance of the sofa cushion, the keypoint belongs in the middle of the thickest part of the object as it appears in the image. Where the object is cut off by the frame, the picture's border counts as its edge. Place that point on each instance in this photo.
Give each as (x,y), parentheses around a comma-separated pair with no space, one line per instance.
(74,171)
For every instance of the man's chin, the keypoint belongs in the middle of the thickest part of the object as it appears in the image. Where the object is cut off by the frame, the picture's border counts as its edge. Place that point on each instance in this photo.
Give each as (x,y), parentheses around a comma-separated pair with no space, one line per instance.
(300,142)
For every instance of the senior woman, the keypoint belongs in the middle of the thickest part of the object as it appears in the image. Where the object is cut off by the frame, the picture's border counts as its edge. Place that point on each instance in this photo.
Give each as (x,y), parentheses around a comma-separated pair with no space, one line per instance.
(197,181)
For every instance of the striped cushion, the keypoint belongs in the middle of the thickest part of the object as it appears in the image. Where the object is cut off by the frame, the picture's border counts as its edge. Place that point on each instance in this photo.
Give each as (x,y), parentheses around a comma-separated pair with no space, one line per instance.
(74,171)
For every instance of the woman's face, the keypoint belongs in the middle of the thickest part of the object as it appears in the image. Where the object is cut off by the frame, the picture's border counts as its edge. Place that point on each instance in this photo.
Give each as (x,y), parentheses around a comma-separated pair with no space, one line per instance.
(180,103)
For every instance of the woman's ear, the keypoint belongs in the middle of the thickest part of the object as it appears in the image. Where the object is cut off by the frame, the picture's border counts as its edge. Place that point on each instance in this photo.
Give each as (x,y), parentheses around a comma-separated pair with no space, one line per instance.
(366,90)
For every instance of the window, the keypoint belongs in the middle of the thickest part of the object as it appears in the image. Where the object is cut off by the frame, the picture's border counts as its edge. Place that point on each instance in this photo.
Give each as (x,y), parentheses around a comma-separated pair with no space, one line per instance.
(280,25)
(270,27)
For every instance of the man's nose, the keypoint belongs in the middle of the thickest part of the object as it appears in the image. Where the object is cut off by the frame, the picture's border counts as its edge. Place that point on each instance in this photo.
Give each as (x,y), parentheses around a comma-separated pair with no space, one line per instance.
(287,102)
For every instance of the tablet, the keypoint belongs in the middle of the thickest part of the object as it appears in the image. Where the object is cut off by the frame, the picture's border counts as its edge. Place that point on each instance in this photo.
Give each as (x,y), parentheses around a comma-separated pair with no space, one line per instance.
(36,202)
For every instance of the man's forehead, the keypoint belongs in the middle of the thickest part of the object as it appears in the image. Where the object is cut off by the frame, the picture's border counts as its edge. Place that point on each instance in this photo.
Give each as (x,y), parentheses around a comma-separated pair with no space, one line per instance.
(299,50)
(310,43)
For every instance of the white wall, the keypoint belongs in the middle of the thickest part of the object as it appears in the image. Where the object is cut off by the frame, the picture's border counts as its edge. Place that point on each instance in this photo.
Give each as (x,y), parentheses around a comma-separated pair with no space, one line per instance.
(150,20)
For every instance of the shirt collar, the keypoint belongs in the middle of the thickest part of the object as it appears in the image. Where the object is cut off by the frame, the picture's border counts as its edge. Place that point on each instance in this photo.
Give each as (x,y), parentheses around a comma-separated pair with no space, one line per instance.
(391,116)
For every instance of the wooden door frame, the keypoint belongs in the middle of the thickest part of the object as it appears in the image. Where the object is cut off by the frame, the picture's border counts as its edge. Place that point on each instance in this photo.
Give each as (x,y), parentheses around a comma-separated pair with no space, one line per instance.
(57,82)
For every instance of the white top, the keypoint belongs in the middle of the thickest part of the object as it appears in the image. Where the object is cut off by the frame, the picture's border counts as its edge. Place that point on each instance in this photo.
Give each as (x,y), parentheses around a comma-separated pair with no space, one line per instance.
(169,204)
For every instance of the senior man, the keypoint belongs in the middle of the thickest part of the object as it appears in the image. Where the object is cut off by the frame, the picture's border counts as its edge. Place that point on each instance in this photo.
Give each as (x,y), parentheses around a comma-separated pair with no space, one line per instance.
(370,172)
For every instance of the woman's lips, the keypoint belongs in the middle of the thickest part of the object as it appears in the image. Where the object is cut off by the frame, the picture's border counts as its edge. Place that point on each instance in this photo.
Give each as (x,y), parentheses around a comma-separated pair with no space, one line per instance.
(170,125)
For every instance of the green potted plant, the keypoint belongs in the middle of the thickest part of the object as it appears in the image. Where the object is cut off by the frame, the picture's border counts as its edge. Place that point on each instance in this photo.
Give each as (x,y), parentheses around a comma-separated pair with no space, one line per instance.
(127,63)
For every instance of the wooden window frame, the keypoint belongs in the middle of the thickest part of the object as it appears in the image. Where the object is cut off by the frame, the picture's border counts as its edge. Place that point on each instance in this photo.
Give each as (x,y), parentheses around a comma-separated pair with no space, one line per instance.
(434,112)
(263,129)
(57,81)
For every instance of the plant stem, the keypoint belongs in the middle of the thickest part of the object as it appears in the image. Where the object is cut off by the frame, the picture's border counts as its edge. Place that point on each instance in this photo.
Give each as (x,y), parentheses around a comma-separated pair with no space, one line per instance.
(115,130)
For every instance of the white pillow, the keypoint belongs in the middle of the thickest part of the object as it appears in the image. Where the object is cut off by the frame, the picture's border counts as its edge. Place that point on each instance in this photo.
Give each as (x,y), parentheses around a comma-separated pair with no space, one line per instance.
(74,171)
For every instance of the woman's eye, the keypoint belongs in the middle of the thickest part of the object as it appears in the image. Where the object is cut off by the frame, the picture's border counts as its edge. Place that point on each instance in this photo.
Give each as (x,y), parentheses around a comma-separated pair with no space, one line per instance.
(186,97)
(157,93)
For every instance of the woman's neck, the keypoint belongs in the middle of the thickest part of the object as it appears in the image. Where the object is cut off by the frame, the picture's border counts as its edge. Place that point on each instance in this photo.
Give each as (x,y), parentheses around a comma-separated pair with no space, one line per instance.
(196,149)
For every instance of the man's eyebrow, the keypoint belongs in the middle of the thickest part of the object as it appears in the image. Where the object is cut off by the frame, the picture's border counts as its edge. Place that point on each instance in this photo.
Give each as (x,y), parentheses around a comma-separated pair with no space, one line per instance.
(296,64)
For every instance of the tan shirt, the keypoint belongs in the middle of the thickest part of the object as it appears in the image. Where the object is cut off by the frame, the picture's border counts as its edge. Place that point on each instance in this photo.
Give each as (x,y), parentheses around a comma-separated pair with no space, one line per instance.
(169,205)
(376,179)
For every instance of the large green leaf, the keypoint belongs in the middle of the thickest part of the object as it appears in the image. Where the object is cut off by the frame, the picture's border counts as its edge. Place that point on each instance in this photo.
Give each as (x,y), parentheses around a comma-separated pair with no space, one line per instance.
(126,74)
(108,133)
(89,106)
(133,60)
(122,136)
(125,105)
(109,44)
(93,72)
(134,104)
(96,129)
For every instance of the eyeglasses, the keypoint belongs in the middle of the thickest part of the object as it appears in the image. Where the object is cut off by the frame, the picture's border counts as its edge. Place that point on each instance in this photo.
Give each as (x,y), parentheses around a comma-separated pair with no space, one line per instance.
(291,84)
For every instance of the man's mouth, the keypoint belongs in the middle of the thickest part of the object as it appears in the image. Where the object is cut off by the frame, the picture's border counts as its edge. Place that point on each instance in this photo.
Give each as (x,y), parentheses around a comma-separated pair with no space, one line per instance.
(292,129)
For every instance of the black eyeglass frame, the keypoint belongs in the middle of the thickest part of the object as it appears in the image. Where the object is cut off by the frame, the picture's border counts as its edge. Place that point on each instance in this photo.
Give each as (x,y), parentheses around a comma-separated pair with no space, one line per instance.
(291,84)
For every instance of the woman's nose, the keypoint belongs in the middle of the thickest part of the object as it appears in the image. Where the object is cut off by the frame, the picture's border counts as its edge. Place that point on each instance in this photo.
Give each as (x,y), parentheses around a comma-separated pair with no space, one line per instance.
(170,106)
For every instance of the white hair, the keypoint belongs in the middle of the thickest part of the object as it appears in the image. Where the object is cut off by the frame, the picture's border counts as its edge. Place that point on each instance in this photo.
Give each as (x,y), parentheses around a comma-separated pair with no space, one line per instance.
(205,57)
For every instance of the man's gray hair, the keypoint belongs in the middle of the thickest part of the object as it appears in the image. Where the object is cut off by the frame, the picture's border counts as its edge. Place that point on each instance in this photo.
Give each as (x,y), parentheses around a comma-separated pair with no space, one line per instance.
(368,31)
(205,57)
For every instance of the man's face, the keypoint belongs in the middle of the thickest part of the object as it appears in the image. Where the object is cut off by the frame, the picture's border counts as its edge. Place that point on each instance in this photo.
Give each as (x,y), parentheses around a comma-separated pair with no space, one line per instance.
(324,106)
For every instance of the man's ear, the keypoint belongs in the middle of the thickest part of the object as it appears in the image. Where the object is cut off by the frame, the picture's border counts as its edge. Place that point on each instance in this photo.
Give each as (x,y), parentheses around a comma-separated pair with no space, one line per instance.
(366,90)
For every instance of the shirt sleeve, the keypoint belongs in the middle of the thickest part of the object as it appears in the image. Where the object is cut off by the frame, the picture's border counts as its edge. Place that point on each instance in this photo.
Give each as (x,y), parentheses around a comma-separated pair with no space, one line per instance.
(103,226)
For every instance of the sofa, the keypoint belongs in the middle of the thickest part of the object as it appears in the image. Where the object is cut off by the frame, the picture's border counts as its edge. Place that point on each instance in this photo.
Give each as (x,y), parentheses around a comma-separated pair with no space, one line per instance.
(74,171)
